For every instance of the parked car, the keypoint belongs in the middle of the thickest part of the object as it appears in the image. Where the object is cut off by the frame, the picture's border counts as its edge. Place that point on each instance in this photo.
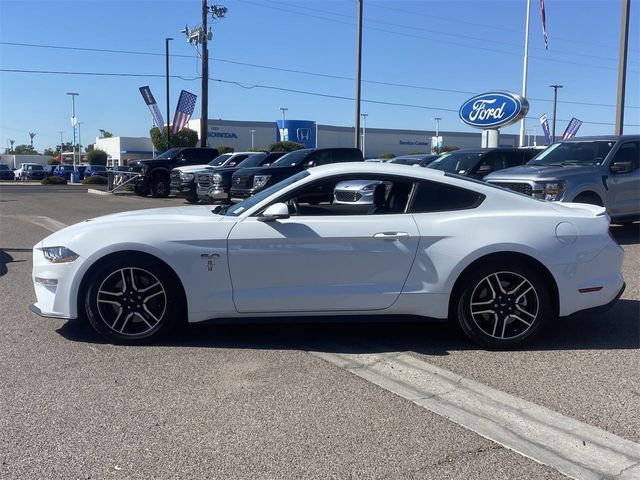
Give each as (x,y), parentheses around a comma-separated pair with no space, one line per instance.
(30,171)
(135,275)
(63,170)
(479,162)
(5,172)
(246,182)
(155,173)
(602,170)
(215,185)
(92,170)
(417,160)
(360,192)
(183,178)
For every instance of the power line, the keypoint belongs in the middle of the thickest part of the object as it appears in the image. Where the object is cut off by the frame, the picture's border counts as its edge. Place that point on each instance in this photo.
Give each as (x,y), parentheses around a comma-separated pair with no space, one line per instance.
(290,70)
(259,86)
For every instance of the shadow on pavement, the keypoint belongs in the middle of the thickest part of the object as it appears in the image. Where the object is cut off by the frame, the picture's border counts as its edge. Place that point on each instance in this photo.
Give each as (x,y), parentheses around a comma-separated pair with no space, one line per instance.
(616,329)
(5,258)
(626,234)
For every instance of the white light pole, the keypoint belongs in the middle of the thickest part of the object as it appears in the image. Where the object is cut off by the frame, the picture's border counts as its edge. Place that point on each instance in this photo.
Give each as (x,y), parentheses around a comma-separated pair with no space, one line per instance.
(524,70)
(79,144)
(283,109)
(437,119)
(252,132)
(73,122)
(364,132)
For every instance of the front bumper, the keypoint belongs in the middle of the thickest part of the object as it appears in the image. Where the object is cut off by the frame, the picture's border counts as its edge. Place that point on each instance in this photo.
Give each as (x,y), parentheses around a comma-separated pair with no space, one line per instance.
(241,194)
(183,189)
(55,291)
(214,194)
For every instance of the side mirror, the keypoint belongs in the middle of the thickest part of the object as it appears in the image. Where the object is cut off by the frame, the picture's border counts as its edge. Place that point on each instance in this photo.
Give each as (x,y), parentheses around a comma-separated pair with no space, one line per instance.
(274,212)
(622,167)
(310,164)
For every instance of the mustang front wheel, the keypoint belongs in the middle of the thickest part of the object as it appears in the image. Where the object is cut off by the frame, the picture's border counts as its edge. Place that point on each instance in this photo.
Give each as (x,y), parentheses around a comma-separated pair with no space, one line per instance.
(131,300)
(503,306)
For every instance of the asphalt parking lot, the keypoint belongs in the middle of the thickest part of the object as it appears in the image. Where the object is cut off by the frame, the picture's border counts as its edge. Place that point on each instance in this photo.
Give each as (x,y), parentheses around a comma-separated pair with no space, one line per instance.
(260,401)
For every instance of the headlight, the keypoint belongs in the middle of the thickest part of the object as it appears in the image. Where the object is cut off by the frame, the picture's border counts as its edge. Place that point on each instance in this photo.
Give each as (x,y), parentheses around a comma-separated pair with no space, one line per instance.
(59,254)
(371,186)
(552,191)
(187,177)
(260,181)
(216,178)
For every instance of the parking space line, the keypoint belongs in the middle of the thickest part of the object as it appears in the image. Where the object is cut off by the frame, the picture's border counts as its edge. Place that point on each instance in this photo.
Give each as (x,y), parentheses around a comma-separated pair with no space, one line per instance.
(575,449)
(47,223)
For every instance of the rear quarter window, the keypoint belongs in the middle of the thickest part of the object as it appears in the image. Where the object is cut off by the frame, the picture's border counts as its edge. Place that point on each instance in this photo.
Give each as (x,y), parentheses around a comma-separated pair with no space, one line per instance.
(439,197)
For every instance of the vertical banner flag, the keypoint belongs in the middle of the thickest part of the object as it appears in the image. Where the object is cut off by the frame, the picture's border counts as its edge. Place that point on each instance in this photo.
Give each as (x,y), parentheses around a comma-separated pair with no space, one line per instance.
(544,25)
(545,128)
(572,129)
(153,106)
(186,104)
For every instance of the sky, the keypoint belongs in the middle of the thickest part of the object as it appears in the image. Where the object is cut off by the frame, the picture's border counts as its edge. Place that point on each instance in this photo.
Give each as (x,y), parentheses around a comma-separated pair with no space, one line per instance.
(420,59)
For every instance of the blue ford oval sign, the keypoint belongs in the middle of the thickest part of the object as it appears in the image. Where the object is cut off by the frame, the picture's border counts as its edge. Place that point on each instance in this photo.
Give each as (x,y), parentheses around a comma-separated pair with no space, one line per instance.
(494,109)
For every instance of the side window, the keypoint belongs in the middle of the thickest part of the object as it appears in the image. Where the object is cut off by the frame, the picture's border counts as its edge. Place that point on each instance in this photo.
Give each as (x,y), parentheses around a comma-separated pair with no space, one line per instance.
(491,162)
(343,155)
(513,159)
(629,152)
(320,158)
(438,197)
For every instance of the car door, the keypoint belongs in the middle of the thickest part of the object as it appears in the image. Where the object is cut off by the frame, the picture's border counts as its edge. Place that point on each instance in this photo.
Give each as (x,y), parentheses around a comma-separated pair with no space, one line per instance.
(320,263)
(624,188)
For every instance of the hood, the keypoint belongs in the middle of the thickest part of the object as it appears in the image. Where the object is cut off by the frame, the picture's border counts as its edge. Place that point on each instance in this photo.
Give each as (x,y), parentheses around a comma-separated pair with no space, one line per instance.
(169,217)
(270,170)
(539,172)
(355,185)
(194,168)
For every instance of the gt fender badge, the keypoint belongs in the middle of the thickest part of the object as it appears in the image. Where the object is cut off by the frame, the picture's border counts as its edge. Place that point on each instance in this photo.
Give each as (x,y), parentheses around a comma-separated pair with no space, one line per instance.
(210,259)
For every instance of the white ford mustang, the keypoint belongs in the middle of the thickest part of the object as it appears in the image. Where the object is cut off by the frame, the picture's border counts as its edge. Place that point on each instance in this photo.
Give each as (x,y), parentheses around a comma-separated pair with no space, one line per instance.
(501,263)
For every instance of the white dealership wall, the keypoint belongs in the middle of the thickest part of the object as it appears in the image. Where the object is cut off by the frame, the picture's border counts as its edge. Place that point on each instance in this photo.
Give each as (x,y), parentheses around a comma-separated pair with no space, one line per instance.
(237,134)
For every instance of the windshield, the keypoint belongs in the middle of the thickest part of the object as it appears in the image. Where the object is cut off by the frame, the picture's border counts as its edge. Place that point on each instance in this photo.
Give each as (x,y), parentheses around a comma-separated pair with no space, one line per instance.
(4,167)
(253,160)
(457,162)
(241,207)
(574,153)
(36,167)
(291,159)
(220,159)
(405,161)
(169,153)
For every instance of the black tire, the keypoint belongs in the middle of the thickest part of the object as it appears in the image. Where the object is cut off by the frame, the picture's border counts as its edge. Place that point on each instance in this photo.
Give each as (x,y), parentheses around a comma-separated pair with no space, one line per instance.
(133,299)
(192,199)
(497,309)
(140,191)
(160,188)
(589,198)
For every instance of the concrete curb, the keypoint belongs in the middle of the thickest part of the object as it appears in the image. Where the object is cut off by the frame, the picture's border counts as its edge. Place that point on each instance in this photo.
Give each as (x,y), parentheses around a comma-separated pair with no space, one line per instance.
(98,192)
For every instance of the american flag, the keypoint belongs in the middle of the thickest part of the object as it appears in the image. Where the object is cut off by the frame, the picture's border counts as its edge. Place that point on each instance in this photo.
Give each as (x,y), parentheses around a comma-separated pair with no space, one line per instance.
(186,104)
(544,25)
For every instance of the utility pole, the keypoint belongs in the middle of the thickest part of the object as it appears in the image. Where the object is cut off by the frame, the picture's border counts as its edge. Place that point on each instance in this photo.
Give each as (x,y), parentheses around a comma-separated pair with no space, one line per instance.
(622,66)
(437,119)
(252,132)
(524,71)
(73,122)
(555,103)
(282,139)
(166,55)
(358,70)
(79,144)
(364,132)
(201,35)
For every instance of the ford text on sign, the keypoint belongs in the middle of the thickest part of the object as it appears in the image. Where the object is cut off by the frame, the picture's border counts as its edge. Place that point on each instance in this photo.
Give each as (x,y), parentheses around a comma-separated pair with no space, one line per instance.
(494,109)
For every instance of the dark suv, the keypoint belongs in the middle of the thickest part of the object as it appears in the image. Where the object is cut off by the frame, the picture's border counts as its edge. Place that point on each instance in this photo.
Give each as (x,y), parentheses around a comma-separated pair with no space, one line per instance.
(155,178)
(248,181)
(479,162)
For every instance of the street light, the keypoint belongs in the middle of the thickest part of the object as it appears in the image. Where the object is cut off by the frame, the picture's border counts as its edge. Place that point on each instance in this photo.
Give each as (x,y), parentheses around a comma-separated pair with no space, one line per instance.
(284,109)
(555,102)
(252,132)
(364,131)
(79,144)
(437,119)
(73,122)
(166,58)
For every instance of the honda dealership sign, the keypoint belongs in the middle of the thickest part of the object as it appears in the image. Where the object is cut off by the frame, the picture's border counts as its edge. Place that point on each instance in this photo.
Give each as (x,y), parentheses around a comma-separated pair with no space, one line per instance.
(299,131)
(493,110)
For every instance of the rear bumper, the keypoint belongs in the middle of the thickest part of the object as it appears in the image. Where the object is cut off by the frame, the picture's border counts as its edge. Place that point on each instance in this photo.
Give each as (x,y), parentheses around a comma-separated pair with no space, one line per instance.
(601,308)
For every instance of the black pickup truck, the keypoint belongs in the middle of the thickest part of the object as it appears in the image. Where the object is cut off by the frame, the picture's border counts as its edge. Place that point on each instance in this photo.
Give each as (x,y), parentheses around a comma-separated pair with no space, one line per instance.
(155,178)
(248,181)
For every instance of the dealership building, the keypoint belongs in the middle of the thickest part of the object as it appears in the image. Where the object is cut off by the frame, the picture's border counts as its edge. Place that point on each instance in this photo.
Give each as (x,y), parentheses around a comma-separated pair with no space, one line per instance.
(242,135)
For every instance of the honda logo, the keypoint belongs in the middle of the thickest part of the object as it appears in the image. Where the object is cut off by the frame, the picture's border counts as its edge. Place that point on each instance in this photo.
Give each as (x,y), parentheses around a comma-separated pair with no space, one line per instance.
(304,134)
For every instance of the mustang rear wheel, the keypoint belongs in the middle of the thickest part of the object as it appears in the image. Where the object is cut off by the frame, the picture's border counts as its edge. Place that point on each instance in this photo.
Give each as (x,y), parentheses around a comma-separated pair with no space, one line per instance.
(132,300)
(503,306)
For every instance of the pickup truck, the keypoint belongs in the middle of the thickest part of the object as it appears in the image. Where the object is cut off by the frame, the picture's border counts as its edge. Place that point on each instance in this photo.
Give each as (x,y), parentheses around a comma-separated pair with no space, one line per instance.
(603,170)
(248,181)
(155,173)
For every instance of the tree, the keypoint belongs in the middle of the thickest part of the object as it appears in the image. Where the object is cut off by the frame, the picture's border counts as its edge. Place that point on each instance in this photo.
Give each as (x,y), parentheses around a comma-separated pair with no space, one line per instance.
(105,134)
(225,149)
(388,155)
(49,152)
(285,146)
(24,150)
(97,157)
(31,135)
(90,147)
(184,138)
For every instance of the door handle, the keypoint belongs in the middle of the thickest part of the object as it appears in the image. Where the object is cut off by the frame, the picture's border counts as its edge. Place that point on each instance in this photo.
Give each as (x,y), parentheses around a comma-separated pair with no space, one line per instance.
(391,235)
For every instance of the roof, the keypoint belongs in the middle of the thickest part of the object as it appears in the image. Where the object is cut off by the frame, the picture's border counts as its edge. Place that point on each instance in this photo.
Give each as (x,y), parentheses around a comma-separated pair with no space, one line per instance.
(612,138)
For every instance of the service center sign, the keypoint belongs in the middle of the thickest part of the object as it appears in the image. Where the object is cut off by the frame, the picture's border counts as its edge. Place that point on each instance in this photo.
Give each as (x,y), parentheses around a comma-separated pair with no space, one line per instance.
(494,110)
